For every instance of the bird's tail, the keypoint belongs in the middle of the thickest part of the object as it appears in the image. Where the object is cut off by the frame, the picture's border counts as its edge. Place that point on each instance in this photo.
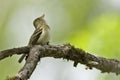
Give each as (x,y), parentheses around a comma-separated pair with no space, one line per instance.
(21,58)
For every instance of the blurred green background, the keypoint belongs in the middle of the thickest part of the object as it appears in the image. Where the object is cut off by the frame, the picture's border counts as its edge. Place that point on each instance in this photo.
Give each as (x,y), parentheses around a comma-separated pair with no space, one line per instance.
(93,25)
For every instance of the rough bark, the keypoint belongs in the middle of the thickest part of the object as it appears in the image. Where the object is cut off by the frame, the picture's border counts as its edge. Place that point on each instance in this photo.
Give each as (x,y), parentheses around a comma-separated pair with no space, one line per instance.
(65,51)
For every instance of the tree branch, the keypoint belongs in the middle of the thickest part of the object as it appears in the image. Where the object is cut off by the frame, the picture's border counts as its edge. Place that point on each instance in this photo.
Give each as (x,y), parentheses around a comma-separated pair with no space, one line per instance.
(66,51)
(10,52)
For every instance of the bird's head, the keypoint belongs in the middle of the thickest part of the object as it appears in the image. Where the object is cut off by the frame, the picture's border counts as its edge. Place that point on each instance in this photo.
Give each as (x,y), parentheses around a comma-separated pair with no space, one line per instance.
(39,22)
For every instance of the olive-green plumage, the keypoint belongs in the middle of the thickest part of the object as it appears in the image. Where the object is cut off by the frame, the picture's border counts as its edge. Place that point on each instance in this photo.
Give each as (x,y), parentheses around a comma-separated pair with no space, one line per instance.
(40,36)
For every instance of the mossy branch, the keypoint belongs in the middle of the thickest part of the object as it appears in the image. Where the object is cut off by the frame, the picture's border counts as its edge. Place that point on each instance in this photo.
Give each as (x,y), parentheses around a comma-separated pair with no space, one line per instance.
(65,51)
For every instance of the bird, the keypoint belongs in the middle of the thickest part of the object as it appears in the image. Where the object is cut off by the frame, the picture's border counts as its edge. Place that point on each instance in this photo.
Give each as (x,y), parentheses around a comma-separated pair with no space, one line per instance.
(40,36)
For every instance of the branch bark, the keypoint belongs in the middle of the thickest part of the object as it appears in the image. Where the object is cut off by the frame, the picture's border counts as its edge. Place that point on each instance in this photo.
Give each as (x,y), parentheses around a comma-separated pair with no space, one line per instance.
(66,51)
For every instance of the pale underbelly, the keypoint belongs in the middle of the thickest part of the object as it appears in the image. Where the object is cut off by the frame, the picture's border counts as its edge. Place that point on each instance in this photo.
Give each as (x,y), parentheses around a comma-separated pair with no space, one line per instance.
(44,38)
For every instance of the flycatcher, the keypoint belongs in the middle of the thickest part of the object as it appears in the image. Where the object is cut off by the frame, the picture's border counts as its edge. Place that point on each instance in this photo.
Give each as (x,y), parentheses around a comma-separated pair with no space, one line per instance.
(40,36)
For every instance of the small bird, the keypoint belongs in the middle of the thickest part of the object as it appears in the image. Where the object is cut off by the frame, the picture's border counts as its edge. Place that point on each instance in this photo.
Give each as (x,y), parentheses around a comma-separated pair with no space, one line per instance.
(40,36)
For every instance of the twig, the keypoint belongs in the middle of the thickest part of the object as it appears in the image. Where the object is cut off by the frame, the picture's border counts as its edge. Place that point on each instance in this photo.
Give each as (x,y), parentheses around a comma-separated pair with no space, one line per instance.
(10,52)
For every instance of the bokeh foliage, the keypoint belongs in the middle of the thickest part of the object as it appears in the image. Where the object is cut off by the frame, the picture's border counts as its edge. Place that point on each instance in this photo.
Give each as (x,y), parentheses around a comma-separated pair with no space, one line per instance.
(74,21)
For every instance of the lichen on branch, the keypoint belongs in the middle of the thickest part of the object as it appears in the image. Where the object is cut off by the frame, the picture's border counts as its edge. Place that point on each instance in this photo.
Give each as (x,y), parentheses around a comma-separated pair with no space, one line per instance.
(65,51)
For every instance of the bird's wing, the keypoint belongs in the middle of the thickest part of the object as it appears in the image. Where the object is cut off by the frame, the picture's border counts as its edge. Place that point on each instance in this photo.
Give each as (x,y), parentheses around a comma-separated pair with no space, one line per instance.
(35,36)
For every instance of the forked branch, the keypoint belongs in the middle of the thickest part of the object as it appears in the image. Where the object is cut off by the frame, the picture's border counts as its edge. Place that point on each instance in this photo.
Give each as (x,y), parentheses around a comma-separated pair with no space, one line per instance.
(66,51)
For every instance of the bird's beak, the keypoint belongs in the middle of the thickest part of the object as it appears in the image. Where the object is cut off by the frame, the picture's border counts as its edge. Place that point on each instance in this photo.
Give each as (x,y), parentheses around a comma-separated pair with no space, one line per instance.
(42,16)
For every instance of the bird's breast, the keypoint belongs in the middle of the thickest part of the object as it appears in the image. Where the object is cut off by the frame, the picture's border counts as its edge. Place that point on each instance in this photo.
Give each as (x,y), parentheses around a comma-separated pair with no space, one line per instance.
(44,37)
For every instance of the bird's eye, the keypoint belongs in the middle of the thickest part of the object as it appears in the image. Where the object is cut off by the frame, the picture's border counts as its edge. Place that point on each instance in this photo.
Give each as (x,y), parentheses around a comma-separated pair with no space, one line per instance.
(37,19)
